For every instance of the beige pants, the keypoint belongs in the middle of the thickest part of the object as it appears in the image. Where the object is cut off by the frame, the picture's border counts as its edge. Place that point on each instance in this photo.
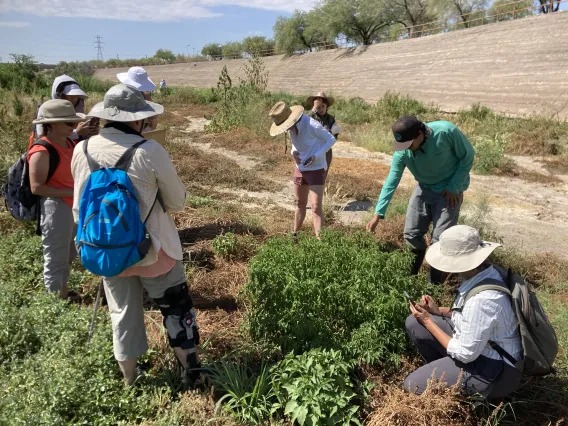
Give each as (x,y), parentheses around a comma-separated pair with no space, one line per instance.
(125,302)
(58,231)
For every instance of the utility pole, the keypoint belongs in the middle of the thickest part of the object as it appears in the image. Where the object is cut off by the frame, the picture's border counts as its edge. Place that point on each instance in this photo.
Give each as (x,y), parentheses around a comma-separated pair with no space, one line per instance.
(99,47)
(188,50)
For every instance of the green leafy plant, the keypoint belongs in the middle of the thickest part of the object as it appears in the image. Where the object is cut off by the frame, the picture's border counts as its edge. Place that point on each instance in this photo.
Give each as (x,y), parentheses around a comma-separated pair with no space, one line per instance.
(230,246)
(247,395)
(315,388)
(490,155)
(343,292)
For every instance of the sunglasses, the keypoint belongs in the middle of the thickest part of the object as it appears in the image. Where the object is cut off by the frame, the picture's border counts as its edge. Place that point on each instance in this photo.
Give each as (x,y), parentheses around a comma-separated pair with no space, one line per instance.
(70,124)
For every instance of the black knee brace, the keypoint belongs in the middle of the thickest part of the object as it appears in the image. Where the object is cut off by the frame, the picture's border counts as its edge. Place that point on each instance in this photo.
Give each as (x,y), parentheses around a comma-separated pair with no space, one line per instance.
(179,318)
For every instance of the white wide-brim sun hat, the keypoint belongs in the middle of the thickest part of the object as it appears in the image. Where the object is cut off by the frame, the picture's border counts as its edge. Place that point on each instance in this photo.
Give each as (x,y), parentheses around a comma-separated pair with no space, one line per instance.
(137,77)
(58,111)
(460,249)
(125,104)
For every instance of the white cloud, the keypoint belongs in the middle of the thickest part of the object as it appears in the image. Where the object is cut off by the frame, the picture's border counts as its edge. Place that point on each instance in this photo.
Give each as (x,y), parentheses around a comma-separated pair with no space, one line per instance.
(143,10)
(14,24)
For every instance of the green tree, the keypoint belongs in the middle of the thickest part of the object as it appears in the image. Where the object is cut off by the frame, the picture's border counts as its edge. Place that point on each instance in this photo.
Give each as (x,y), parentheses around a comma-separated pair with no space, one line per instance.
(165,55)
(504,10)
(413,15)
(26,65)
(258,46)
(212,49)
(233,49)
(460,11)
(360,21)
(300,32)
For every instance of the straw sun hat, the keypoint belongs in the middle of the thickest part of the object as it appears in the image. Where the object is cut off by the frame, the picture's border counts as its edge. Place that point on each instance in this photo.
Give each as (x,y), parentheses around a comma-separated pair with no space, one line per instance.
(283,117)
(125,104)
(460,249)
(58,111)
(329,100)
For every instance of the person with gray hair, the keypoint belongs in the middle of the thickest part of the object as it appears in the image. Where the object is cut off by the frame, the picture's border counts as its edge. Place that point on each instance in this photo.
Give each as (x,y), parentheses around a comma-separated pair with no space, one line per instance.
(475,341)
(161,271)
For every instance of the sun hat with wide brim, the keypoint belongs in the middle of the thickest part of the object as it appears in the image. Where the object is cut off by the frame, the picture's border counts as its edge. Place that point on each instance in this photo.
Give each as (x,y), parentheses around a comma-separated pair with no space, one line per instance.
(283,117)
(329,100)
(460,249)
(58,111)
(137,77)
(125,104)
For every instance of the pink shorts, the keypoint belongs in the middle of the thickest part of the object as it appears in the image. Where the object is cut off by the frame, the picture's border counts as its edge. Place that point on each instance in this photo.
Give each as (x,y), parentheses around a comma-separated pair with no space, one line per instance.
(309,177)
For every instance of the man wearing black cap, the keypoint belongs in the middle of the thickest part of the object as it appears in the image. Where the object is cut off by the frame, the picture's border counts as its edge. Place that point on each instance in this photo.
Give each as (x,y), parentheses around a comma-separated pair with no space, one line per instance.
(440,157)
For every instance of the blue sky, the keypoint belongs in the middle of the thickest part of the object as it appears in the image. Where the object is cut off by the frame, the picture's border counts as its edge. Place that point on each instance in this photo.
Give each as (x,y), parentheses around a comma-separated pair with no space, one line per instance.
(64,30)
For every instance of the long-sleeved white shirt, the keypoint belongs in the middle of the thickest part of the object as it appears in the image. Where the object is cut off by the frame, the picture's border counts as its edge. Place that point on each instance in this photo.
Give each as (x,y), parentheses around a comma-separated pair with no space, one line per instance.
(486,316)
(312,140)
(151,168)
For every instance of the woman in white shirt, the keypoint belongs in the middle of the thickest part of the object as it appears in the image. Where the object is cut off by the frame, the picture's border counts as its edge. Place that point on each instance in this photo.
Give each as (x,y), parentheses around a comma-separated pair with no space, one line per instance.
(464,336)
(310,142)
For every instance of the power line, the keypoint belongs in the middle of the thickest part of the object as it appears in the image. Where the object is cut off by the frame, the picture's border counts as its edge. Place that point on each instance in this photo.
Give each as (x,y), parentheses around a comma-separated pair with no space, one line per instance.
(99,47)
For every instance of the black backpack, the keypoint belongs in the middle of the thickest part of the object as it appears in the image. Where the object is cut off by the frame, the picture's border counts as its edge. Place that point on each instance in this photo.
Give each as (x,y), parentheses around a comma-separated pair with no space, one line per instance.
(20,202)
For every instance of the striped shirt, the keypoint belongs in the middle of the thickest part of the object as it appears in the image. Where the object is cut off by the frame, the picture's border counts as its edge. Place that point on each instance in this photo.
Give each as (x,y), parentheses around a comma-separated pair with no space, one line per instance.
(486,316)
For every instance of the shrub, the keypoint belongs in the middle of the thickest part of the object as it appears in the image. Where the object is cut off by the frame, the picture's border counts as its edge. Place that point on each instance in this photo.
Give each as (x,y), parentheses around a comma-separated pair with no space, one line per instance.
(315,388)
(490,155)
(352,111)
(393,106)
(343,292)
(232,247)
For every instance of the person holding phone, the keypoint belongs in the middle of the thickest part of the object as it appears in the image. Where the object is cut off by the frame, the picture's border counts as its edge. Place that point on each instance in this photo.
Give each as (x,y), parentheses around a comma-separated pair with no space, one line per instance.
(310,143)
(320,104)
(458,342)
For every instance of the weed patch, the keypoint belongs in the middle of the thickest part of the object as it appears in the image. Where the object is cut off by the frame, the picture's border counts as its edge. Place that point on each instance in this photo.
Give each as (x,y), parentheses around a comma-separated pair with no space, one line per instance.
(339,293)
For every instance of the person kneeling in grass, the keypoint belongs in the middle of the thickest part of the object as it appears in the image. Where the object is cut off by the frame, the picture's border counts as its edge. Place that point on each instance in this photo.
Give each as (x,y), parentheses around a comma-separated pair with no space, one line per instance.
(464,336)
(310,142)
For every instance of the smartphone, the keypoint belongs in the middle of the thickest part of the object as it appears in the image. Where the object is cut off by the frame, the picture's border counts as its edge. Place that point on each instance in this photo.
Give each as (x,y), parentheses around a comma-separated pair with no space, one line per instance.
(94,122)
(307,161)
(412,302)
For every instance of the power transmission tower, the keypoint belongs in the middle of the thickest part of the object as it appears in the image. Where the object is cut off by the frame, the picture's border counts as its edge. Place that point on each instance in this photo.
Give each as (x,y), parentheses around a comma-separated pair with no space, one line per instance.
(99,47)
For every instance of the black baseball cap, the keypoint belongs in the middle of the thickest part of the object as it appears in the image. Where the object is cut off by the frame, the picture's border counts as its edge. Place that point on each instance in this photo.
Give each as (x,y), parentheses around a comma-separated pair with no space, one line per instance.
(405,130)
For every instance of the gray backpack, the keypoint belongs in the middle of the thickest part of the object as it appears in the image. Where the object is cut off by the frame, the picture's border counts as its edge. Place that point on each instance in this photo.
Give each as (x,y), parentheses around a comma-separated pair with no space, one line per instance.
(540,345)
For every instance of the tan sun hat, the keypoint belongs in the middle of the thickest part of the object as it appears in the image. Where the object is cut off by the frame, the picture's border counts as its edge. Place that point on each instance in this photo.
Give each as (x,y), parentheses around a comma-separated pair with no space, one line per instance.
(460,249)
(283,117)
(124,103)
(329,100)
(58,111)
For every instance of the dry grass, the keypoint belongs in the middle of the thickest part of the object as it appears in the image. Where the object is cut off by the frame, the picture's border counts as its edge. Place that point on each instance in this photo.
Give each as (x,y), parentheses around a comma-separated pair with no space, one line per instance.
(356,179)
(438,405)
(198,167)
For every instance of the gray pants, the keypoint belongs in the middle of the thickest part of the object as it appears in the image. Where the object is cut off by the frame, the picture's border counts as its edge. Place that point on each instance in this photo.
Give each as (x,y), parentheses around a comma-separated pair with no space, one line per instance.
(57,237)
(486,376)
(125,302)
(424,208)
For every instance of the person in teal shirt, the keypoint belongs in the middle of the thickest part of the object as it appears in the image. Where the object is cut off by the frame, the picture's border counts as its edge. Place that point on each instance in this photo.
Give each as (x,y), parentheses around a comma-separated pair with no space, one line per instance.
(440,157)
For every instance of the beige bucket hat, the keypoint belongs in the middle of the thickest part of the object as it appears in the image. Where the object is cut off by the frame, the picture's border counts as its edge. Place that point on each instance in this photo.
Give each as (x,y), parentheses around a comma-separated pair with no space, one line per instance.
(58,111)
(125,104)
(283,117)
(329,100)
(460,249)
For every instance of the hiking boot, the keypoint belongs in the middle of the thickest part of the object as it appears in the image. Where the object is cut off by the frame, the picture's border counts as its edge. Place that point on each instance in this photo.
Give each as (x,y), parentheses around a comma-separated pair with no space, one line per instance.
(195,378)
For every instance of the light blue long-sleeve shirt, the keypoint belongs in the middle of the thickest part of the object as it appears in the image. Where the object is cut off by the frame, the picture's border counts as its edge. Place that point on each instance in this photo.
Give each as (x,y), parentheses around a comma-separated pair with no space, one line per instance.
(442,162)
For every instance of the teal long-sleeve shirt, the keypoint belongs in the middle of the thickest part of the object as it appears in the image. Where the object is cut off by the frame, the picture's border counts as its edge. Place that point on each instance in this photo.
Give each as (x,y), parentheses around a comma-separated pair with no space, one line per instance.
(442,162)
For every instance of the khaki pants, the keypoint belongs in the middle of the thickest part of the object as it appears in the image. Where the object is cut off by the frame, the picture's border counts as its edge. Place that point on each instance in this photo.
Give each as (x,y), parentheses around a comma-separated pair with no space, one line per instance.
(58,231)
(125,302)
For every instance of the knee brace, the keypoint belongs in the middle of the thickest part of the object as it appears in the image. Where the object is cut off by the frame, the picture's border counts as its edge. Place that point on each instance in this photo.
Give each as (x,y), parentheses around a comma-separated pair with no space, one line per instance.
(180,319)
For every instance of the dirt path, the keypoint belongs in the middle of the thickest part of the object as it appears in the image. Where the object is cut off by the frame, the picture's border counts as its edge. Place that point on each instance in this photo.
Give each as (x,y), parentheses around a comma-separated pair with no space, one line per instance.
(530,216)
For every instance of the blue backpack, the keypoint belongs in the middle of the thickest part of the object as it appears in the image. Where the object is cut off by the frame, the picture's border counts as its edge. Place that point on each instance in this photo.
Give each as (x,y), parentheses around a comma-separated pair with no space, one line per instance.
(111,235)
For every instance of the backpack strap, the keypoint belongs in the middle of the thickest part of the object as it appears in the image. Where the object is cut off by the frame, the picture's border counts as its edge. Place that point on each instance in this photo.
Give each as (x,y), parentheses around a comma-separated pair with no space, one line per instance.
(93,165)
(124,161)
(53,156)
